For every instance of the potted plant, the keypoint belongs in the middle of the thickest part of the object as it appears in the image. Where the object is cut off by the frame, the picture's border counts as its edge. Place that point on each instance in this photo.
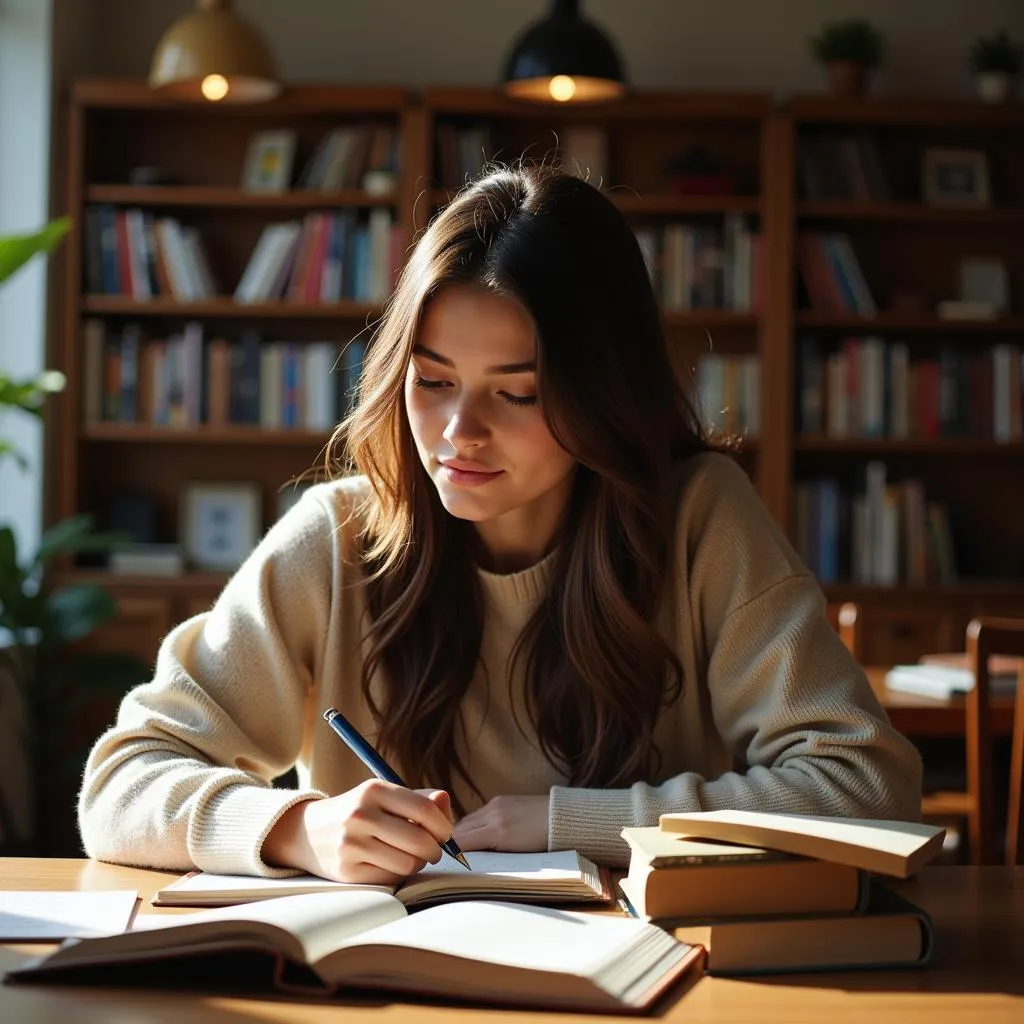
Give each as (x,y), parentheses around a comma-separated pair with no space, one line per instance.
(849,49)
(43,685)
(996,62)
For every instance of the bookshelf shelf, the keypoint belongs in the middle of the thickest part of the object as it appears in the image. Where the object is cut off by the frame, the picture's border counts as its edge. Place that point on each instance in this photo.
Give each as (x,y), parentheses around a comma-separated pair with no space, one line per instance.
(121,305)
(867,446)
(850,210)
(185,583)
(226,197)
(708,318)
(148,433)
(906,322)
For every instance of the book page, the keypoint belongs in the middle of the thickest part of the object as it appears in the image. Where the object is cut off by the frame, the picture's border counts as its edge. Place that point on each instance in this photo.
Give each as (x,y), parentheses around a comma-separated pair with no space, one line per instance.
(199,887)
(612,952)
(555,874)
(52,916)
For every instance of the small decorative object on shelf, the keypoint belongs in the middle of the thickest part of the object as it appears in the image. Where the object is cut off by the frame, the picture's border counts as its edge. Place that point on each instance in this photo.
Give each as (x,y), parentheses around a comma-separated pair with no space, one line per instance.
(985,279)
(956,177)
(849,49)
(220,523)
(996,62)
(698,172)
(268,162)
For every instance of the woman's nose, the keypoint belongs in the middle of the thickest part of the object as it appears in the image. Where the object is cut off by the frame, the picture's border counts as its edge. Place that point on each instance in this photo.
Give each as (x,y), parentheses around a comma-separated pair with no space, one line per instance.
(465,427)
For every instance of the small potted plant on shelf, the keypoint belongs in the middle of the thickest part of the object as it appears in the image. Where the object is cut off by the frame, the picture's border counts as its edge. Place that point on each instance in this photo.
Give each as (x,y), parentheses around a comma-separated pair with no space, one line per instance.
(996,62)
(42,685)
(849,49)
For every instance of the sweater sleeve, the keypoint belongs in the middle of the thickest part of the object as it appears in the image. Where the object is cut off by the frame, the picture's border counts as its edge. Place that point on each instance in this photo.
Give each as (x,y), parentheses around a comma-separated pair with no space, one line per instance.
(184,777)
(785,695)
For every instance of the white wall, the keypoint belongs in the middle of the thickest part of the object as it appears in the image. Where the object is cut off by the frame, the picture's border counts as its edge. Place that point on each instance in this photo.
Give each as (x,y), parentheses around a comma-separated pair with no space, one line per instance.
(24,206)
(721,45)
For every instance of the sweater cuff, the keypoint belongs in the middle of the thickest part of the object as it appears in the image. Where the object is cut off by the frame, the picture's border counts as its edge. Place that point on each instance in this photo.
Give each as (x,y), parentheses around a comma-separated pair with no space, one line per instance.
(590,821)
(227,837)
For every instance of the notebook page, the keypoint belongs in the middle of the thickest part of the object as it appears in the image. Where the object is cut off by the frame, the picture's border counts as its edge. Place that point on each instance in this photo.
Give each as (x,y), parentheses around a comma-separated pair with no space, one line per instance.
(52,916)
(532,938)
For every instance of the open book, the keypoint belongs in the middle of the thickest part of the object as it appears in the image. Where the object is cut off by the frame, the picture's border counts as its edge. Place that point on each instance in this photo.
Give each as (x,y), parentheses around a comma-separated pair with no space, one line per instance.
(560,876)
(478,951)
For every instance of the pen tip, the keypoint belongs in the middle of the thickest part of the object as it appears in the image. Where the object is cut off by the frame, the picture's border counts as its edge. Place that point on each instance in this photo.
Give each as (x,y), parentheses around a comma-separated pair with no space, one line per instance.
(461,858)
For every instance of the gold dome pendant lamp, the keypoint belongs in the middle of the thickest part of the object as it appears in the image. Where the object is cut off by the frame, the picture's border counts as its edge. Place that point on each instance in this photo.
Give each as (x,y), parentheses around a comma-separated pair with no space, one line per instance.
(564,59)
(214,55)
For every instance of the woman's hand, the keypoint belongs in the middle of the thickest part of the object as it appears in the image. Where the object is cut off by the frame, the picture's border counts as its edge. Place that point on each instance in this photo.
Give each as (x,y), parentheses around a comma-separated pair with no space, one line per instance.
(376,833)
(513,823)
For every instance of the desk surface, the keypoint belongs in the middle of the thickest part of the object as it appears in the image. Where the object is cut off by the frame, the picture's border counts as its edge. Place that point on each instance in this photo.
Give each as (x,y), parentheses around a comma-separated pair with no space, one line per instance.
(914,715)
(977,972)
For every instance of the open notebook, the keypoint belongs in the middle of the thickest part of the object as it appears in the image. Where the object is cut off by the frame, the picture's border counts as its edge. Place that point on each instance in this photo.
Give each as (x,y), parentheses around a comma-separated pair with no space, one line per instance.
(478,951)
(561,876)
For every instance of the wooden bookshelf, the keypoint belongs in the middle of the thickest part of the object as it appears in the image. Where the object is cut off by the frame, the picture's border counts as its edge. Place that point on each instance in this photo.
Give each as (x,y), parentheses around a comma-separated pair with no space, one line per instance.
(900,240)
(906,245)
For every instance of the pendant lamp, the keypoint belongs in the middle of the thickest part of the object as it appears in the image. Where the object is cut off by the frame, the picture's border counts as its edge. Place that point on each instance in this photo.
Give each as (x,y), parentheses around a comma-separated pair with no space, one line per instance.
(214,55)
(564,59)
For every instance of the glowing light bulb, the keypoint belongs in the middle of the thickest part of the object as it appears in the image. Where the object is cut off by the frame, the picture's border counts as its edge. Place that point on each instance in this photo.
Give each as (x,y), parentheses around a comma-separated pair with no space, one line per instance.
(562,88)
(214,87)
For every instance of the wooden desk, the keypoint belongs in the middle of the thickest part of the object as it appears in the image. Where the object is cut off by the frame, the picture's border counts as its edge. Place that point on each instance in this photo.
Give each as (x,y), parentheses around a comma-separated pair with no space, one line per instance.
(977,971)
(913,715)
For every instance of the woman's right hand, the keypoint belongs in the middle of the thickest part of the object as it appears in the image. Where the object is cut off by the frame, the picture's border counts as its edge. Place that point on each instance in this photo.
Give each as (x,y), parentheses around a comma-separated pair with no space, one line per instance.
(376,833)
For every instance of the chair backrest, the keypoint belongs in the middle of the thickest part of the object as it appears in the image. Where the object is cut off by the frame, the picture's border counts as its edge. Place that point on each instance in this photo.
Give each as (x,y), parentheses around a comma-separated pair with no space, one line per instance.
(988,636)
(845,619)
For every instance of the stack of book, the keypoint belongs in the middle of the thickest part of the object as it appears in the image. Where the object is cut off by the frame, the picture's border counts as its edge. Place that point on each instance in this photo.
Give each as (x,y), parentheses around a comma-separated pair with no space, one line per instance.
(770,893)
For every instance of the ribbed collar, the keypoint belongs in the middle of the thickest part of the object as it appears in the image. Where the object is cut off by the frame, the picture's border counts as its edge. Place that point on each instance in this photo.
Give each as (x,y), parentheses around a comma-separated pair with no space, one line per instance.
(512,588)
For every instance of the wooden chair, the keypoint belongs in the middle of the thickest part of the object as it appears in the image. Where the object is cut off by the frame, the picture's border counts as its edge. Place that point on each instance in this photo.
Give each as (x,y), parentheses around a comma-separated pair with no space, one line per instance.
(986,638)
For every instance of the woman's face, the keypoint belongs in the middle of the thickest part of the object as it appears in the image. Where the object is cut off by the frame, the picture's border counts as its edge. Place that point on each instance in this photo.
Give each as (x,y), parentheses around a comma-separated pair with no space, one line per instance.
(471,398)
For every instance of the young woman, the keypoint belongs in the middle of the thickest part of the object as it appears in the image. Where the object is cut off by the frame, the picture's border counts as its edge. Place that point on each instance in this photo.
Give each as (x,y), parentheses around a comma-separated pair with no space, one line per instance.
(547,601)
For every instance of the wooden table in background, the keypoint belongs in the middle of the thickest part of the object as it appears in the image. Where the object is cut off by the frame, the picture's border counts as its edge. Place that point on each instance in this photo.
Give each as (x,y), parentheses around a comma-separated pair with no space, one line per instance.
(976,974)
(926,716)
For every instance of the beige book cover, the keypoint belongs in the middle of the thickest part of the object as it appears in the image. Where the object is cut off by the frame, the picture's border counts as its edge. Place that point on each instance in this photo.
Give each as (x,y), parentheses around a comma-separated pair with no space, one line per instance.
(897,848)
(479,951)
(556,876)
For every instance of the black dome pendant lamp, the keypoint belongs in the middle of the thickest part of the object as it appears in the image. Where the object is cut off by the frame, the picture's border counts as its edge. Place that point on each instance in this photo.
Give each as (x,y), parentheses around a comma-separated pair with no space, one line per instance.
(564,59)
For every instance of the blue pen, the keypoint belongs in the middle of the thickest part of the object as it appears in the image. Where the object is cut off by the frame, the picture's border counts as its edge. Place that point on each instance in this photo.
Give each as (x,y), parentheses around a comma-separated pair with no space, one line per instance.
(350,734)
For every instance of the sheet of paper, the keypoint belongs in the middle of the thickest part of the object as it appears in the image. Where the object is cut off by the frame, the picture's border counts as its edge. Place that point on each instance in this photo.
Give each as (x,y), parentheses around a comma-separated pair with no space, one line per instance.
(52,916)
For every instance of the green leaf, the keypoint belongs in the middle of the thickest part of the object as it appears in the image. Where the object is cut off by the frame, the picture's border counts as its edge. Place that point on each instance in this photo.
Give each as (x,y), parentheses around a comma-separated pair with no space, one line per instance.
(6,448)
(75,611)
(75,534)
(8,553)
(17,250)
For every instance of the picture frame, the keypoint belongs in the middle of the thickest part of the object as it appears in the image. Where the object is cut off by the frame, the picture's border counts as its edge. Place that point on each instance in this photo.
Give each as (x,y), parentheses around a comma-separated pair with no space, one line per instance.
(220,523)
(985,279)
(268,161)
(956,178)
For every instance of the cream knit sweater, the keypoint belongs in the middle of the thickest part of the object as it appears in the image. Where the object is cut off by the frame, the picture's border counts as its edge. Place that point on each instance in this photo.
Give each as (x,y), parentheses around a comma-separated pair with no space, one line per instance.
(184,777)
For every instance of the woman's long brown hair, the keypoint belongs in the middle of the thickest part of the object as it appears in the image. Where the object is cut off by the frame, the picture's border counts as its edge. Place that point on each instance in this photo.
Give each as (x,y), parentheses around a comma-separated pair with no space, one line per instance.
(598,673)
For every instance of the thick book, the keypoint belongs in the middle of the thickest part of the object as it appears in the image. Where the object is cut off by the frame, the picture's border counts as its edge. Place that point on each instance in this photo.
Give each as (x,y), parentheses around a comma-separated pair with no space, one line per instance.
(891,932)
(671,875)
(559,876)
(491,952)
(897,848)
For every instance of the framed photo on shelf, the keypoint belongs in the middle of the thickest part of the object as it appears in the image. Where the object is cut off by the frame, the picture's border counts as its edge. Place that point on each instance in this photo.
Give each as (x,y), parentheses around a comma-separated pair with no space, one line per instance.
(220,523)
(956,177)
(268,161)
(985,279)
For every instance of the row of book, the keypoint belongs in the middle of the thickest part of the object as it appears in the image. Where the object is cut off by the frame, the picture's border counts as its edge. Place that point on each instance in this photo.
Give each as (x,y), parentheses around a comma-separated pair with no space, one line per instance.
(881,533)
(729,391)
(325,257)
(345,156)
(831,274)
(188,380)
(841,165)
(772,893)
(867,387)
(132,252)
(705,266)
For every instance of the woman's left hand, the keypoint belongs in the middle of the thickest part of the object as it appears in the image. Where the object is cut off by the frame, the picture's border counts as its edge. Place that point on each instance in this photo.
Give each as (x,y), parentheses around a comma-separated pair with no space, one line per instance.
(512,823)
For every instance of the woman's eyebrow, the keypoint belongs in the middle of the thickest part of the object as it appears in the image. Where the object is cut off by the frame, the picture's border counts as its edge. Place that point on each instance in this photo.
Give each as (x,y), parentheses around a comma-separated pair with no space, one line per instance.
(529,366)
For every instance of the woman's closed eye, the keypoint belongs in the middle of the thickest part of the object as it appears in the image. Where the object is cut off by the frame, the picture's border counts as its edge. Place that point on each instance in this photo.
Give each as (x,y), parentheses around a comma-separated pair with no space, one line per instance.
(429,384)
(519,400)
